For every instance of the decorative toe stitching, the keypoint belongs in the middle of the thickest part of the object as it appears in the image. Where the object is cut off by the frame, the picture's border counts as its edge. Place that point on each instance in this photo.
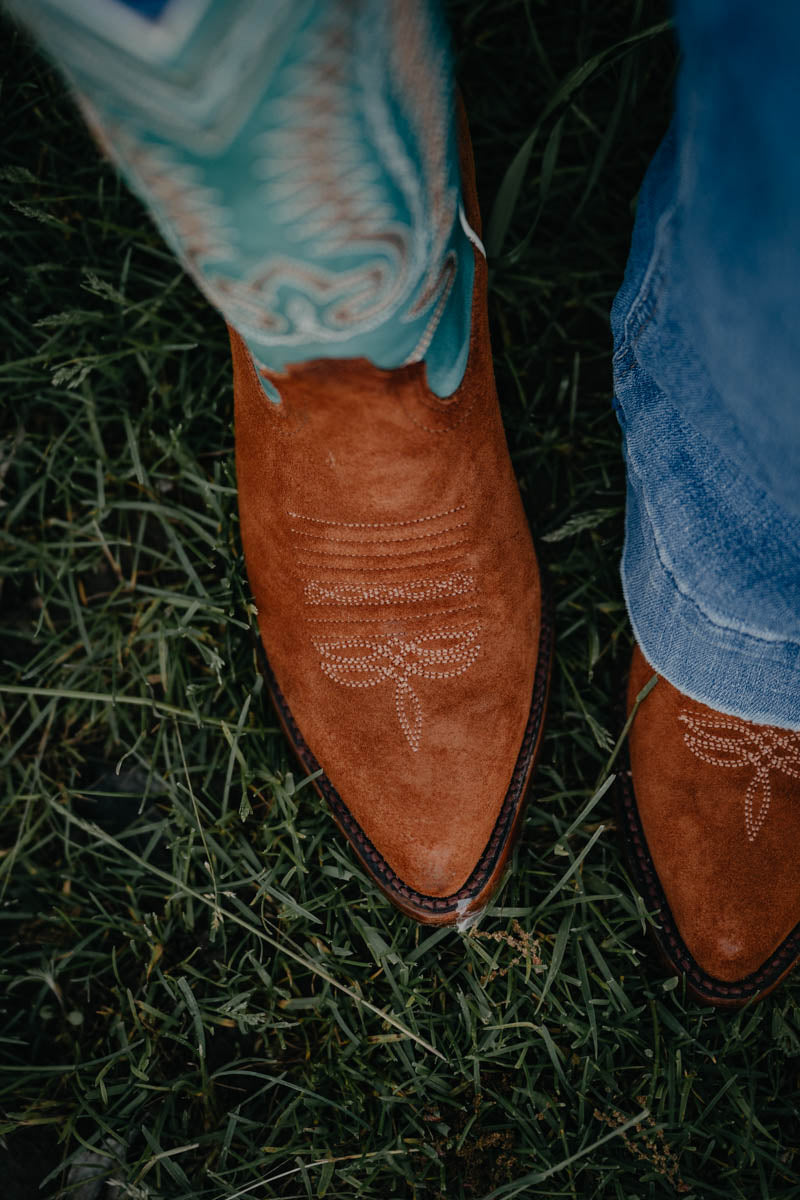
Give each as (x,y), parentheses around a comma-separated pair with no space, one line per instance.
(515,795)
(669,937)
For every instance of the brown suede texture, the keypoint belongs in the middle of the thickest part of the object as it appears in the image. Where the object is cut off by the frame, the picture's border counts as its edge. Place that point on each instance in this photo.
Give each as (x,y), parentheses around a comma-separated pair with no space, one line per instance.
(397,590)
(719,802)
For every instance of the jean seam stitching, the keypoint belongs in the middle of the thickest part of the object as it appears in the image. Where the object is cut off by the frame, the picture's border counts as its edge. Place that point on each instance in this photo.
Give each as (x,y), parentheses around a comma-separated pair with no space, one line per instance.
(644,304)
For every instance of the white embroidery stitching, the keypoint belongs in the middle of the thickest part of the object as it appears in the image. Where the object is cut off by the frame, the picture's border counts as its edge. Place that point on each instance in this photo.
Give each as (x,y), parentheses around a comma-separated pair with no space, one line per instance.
(390,651)
(457,584)
(395,541)
(728,742)
(432,549)
(399,659)
(375,524)
(426,565)
(400,620)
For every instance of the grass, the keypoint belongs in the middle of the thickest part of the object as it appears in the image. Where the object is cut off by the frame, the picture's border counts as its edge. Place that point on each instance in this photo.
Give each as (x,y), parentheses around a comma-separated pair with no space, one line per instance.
(199,982)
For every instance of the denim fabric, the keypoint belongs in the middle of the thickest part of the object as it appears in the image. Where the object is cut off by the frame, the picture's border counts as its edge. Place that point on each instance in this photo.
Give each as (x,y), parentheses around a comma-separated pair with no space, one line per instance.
(148,8)
(300,158)
(707,371)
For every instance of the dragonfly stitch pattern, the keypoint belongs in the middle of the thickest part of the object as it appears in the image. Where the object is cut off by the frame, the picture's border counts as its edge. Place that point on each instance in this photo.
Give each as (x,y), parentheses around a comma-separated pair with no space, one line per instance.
(399,573)
(727,742)
(358,662)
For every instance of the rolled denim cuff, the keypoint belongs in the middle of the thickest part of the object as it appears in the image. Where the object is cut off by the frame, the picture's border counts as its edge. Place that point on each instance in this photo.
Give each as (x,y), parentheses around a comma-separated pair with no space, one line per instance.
(711,564)
(733,670)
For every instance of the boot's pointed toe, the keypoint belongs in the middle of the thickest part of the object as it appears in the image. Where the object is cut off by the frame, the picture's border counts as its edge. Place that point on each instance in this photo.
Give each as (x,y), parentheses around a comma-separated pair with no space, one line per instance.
(711,822)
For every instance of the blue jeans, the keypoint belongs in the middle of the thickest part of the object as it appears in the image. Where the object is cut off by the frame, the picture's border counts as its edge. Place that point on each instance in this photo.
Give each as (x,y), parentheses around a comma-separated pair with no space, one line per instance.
(707,370)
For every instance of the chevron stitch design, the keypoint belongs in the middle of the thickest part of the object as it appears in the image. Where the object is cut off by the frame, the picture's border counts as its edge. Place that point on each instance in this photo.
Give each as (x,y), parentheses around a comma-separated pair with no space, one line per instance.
(456,584)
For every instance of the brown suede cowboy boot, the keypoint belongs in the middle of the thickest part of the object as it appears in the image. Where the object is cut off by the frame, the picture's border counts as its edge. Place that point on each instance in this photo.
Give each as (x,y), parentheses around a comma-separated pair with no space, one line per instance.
(711,820)
(400,608)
